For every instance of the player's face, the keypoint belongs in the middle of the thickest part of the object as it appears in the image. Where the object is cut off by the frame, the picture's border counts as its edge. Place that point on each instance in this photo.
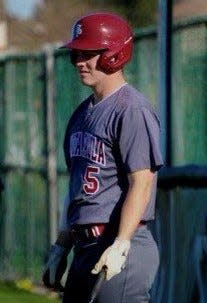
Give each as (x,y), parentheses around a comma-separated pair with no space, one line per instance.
(86,63)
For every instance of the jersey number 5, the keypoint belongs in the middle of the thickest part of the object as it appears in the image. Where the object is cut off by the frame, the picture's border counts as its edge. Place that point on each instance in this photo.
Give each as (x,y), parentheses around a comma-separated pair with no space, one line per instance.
(92,183)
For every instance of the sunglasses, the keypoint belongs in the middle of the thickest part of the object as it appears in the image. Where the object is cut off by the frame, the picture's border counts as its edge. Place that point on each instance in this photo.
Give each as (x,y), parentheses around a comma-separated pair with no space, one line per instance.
(76,55)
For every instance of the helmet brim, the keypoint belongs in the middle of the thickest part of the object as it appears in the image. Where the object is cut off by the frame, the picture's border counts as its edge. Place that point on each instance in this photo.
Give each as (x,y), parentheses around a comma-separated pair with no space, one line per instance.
(82,45)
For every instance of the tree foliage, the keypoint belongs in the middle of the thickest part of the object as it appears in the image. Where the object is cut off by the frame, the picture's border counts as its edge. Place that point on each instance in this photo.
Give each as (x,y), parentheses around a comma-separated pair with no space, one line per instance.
(138,12)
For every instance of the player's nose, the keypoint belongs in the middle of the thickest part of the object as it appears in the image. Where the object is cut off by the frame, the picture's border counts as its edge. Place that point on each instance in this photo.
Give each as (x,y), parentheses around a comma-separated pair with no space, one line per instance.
(79,61)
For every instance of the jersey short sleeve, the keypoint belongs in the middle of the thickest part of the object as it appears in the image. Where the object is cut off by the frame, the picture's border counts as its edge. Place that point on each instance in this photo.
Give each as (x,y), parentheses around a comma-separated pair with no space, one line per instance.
(138,139)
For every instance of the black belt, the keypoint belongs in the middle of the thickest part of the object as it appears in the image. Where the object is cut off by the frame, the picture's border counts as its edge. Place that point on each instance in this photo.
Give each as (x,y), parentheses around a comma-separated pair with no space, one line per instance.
(91,231)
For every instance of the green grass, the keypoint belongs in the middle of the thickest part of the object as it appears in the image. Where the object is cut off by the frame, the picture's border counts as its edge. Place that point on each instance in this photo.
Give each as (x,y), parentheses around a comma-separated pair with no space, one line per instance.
(9,293)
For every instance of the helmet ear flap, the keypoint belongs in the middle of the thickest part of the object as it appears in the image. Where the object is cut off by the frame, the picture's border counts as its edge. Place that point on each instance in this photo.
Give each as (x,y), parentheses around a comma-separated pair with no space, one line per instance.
(113,60)
(109,61)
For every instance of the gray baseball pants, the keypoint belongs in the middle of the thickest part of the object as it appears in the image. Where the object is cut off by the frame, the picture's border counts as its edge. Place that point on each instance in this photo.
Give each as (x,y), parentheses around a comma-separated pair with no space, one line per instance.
(132,285)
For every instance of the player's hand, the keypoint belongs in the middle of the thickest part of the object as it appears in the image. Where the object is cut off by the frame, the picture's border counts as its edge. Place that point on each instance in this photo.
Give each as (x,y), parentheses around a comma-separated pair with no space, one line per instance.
(113,258)
(55,267)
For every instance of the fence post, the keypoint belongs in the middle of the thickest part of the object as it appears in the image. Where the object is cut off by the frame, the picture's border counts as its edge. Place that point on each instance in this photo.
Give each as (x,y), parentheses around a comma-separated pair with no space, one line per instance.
(164,38)
(51,145)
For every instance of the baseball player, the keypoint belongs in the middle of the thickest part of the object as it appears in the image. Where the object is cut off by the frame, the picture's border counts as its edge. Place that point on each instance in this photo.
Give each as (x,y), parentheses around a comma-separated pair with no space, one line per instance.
(112,153)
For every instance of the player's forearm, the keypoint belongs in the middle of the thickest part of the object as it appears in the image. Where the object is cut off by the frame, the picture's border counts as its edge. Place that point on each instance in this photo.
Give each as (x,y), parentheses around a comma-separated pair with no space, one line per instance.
(135,203)
(132,211)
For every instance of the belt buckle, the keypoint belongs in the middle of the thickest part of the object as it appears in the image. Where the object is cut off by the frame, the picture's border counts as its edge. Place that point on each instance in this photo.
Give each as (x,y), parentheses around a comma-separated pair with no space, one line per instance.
(80,235)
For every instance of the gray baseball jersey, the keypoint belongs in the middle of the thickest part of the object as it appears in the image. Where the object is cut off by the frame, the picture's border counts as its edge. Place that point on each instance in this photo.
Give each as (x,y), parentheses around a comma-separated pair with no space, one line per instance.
(103,143)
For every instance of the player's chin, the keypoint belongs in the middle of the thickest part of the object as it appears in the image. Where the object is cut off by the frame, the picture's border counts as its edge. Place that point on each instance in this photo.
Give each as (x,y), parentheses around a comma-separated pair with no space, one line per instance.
(87,81)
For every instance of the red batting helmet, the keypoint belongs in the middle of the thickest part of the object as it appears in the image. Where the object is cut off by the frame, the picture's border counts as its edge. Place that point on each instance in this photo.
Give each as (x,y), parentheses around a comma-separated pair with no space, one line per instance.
(107,32)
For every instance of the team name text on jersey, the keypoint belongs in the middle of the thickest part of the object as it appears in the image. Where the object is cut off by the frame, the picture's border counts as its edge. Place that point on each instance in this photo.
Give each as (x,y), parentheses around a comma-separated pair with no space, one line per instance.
(84,144)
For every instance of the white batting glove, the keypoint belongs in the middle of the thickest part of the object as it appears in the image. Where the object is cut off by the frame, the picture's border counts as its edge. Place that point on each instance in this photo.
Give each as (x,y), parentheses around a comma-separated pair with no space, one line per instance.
(113,258)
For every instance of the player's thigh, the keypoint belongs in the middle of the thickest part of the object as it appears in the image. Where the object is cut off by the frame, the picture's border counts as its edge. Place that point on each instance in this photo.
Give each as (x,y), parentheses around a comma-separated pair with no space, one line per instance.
(142,266)
(135,280)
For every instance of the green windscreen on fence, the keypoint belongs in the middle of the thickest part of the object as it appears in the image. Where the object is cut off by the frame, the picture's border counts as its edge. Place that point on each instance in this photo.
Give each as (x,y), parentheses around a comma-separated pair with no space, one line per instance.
(189,106)
(23,167)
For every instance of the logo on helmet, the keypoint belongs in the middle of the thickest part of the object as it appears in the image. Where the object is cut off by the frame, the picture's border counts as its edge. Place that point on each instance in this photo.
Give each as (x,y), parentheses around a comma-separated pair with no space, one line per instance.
(77,30)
